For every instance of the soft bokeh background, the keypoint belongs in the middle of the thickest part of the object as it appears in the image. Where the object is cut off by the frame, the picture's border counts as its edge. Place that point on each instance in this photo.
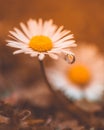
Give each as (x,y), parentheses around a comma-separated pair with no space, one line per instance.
(85,18)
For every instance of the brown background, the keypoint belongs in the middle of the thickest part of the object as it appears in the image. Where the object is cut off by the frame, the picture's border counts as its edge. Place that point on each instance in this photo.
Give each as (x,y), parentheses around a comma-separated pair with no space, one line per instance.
(85,18)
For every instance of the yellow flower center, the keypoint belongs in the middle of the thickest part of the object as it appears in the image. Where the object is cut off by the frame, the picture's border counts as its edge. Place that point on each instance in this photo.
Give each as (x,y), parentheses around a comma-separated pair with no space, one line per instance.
(79,75)
(41,43)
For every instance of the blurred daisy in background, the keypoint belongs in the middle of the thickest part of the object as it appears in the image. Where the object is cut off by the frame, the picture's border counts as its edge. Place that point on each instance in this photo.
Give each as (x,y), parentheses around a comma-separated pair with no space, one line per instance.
(39,38)
(82,80)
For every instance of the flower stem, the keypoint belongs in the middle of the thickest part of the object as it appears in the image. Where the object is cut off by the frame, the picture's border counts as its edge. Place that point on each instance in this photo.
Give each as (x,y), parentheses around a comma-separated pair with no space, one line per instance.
(58,96)
(45,77)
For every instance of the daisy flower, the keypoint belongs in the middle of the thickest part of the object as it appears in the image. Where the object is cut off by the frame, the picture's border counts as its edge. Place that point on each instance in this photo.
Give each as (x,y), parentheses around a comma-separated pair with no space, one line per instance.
(39,38)
(82,80)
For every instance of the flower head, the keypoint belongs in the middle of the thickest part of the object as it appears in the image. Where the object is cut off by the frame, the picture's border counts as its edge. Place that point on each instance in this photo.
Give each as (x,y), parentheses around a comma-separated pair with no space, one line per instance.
(84,78)
(40,38)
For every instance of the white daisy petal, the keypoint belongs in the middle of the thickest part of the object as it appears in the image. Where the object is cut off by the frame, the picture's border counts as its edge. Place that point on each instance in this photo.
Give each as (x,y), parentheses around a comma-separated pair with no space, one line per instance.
(33,54)
(13,45)
(56,34)
(64,39)
(94,92)
(40,27)
(12,37)
(16,45)
(49,29)
(54,56)
(19,37)
(70,43)
(18,52)
(25,29)
(20,33)
(65,32)
(17,42)
(67,52)
(41,56)
(33,27)
(74,93)
(55,50)
(61,35)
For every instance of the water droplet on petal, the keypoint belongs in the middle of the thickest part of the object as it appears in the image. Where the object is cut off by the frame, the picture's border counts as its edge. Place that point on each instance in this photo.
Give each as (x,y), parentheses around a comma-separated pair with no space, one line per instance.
(70,58)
